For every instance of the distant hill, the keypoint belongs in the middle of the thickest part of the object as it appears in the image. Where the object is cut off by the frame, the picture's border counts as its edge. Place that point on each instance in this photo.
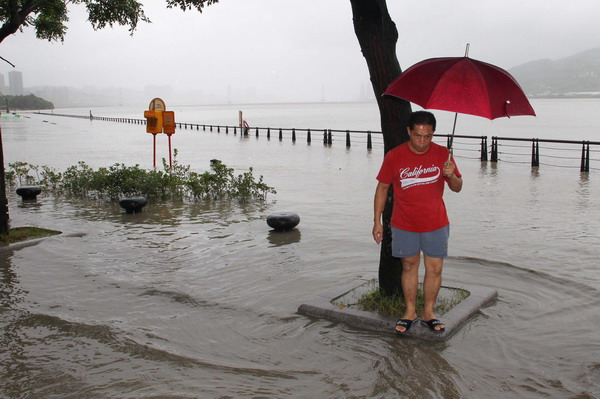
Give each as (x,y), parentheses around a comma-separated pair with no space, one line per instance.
(574,76)
(24,102)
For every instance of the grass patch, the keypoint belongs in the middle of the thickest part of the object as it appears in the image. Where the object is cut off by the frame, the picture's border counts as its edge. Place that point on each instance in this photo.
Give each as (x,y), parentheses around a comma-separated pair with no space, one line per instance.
(19,234)
(370,298)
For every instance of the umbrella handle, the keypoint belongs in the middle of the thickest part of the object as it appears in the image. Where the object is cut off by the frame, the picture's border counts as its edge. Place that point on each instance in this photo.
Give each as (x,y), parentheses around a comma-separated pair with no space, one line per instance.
(449,161)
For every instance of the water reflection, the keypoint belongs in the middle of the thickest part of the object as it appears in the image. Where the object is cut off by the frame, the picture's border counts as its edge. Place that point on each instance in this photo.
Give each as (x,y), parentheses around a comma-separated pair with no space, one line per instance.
(279,238)
(10,293)
(30,204)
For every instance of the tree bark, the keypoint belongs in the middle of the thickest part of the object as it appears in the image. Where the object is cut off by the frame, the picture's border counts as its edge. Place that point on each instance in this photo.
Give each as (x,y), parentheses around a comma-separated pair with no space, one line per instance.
(3,201)
(377,36)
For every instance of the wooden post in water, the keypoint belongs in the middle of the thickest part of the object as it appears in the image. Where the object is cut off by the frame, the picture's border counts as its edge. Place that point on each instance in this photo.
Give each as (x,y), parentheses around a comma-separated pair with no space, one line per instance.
(585,157)
(483,153)
(369,142)
(494,153)
(535,153)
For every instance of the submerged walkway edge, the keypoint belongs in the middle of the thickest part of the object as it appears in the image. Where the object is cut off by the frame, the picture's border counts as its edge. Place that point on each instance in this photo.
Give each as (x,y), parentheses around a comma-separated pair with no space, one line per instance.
(323,308)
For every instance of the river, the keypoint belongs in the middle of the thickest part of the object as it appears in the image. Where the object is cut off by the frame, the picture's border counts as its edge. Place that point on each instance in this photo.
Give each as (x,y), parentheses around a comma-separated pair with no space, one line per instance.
(199,300)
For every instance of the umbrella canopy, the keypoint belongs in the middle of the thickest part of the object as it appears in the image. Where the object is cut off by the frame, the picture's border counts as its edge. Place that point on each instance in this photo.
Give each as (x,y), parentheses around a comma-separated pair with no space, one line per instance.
(462,85)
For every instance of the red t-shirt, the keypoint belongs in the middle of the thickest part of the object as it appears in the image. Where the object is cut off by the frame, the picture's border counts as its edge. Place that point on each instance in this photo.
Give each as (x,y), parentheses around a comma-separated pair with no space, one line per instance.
(418,187)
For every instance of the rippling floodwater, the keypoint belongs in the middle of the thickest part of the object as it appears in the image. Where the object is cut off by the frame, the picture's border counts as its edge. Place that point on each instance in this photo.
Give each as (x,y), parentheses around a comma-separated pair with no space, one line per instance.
(199,300)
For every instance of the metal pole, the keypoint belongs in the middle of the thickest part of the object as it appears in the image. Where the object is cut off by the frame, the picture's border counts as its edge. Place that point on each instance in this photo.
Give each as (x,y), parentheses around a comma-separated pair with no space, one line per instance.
(154,158)
(170,157)
(451,138)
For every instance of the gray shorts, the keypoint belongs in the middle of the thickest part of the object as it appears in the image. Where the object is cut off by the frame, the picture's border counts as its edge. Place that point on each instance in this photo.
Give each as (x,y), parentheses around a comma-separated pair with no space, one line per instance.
(433,243)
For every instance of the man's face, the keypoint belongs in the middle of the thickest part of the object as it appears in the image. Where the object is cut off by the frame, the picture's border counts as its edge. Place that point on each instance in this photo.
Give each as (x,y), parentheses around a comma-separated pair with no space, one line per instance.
(420,138)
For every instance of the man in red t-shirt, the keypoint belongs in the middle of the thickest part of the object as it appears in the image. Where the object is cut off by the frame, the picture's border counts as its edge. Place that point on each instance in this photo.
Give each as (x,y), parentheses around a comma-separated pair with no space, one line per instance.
(418,171)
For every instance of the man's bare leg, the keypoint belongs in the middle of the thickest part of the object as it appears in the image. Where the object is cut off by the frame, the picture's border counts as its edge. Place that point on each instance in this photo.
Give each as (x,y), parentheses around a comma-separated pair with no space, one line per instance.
(410,283)
(431,286)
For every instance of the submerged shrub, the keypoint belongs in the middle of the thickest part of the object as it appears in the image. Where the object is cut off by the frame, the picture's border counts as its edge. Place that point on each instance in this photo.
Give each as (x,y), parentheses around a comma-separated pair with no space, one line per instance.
(176,182)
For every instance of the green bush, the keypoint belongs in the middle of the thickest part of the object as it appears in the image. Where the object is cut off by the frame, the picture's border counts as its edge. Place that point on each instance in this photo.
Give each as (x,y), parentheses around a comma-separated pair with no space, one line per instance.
(175,182)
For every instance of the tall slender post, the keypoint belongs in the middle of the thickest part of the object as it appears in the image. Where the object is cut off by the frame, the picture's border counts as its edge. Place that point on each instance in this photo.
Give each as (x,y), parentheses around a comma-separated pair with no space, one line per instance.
(483,152)
(494,151)
(170,156)
(535,153)
(154,156)
(585,157)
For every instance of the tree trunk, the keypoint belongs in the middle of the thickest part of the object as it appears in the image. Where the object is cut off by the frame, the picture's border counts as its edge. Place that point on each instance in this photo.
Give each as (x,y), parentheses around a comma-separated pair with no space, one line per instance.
(377,36)
(3,200)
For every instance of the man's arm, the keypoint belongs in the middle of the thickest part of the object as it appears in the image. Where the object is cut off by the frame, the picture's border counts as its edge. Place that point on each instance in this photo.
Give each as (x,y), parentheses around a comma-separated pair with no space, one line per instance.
(381,193)
(455,183)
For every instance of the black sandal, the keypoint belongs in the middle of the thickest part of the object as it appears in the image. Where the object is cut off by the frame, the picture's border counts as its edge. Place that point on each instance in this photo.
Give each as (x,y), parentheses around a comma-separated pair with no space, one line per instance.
(406,323)
(432,324)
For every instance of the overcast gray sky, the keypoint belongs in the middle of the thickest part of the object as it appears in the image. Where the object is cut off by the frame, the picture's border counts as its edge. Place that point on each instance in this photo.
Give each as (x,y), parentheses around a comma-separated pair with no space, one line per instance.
(292,50)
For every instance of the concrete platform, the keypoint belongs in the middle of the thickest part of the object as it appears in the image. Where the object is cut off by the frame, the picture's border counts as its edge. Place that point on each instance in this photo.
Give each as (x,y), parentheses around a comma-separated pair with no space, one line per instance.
(331,307)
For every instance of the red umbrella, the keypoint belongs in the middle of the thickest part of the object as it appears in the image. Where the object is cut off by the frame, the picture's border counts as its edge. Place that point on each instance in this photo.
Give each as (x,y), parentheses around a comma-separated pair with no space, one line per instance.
(461,84)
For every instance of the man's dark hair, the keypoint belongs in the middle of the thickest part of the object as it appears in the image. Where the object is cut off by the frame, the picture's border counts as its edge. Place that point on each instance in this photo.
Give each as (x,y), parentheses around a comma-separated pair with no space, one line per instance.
(421,118)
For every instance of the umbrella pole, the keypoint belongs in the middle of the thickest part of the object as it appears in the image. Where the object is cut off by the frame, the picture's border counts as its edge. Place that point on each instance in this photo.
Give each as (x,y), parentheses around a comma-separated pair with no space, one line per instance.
(451,142)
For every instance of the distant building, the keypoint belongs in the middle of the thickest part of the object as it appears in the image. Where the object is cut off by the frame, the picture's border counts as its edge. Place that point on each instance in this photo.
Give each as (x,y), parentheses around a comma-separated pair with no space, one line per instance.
(2,85)
(15,81)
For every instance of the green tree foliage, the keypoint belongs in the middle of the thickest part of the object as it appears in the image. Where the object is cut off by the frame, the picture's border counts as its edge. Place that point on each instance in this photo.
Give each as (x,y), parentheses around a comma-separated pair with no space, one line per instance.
(49,17)
(25,102)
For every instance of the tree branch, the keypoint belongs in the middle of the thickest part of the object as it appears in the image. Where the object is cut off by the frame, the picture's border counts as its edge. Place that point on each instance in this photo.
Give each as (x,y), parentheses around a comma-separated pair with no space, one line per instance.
(7,61)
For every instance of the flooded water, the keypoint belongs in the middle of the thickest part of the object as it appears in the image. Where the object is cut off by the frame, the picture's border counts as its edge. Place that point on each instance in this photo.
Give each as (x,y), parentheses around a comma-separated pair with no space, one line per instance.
(199,300)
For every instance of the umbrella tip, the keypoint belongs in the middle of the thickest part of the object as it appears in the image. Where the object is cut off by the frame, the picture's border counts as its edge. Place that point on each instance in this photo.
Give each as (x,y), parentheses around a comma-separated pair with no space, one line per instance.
(467,50)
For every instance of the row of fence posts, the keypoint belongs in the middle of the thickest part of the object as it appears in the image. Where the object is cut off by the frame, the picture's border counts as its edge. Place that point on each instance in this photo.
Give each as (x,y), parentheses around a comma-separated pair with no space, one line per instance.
(328,138)
(535,150)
